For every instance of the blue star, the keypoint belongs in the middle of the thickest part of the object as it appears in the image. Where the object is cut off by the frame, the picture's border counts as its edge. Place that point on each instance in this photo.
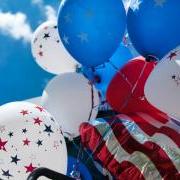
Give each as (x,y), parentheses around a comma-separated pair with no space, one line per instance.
(48,129)
(6,173)
(83,37)
(15,159)
(39,142)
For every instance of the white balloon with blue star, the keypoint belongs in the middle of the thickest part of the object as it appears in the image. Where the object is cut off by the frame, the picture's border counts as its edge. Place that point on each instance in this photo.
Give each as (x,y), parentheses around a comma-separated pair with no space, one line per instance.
(29,138)
(48,50)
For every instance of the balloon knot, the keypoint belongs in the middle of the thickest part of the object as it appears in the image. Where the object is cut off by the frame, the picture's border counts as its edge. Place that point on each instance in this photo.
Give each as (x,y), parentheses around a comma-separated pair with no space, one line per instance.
(151,58)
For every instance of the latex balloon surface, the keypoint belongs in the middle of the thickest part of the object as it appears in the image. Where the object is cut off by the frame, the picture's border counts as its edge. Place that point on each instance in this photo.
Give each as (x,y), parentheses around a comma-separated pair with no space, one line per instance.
(91,30)
(72,100)
(29,138)
(49,51)
(163,85)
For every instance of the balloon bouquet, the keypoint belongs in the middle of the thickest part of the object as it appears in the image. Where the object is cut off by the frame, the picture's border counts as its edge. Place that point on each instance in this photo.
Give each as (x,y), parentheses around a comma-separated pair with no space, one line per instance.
(92,53)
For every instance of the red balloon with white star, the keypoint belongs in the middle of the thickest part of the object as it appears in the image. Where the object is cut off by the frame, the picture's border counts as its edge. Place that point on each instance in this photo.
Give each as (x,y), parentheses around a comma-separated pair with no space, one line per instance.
(29,138)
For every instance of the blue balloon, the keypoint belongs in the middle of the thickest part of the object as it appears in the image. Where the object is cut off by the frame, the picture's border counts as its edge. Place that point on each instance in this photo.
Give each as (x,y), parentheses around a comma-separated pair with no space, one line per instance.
(154,26)
(91,30)
(106,71)
(83,170)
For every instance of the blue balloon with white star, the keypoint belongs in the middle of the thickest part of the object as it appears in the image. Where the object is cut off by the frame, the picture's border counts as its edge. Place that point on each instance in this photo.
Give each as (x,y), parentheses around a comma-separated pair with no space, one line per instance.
(154,26)
(91,30)
(102,75)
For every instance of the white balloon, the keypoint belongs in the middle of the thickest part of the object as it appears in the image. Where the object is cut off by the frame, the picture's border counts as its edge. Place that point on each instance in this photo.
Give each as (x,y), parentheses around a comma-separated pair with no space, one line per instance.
(71,100)
(29,138)
(162,88)
(48,50)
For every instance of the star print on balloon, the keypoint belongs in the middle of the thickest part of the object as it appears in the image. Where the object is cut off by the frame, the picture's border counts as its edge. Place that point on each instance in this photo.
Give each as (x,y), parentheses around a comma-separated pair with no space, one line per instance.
(2,144)
(24,145)
(163,85)
(176,79)
(26,142)
(30,168)
(49,51)
(6,174)
(160,2)
(153,26)
(91,30)
(39,143)
(134,5)
(24,112)
(15,159)
(37,121)
(48,130)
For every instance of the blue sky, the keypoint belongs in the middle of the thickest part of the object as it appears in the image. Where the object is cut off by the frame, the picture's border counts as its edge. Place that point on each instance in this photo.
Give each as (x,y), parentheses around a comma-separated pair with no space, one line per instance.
(20,77)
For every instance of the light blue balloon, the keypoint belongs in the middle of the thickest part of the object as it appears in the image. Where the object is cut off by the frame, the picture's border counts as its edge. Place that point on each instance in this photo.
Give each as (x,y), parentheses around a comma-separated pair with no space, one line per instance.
(91,30)
(107,71)
(154,26)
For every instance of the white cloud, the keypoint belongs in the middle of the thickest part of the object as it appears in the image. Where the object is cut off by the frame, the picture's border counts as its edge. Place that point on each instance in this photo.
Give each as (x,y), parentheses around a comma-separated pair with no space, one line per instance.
(47,10)
(37,2)
(15,25)
(50,13)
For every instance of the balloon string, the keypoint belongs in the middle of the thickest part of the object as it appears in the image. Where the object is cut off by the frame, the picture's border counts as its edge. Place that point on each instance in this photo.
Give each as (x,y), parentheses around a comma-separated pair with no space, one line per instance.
(124,105)
(92,102)
(80,149)
(119,72)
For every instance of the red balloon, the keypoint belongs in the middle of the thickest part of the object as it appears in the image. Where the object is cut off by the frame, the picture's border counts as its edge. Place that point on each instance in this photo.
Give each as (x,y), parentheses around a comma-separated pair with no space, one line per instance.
(125,93)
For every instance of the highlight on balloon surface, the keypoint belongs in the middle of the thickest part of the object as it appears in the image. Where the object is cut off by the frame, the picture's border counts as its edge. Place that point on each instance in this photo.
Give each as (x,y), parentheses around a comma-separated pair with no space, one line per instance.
(87,33)
(71,99)
(162,88)
(30,138)
(125,93)
(49,51)
(153,26)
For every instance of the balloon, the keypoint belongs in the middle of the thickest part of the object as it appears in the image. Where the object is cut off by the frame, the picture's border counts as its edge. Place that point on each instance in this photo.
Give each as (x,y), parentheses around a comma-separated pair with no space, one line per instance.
(49,51)
(137,144)
(71,100)
(91,30)
(154,26)
(29,138)
(125,93)
(163,85)
(81,168)
(106,71)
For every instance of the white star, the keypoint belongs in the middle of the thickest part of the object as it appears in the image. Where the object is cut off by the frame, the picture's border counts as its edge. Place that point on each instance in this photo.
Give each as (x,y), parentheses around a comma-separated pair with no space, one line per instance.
(67,18)
(159,2)
(83,37)
(135,4)
(66,39)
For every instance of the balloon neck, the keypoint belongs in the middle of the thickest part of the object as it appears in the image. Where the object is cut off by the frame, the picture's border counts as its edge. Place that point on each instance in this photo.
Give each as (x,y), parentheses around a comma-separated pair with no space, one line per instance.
(96,79)
(151,58)
(78,69)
